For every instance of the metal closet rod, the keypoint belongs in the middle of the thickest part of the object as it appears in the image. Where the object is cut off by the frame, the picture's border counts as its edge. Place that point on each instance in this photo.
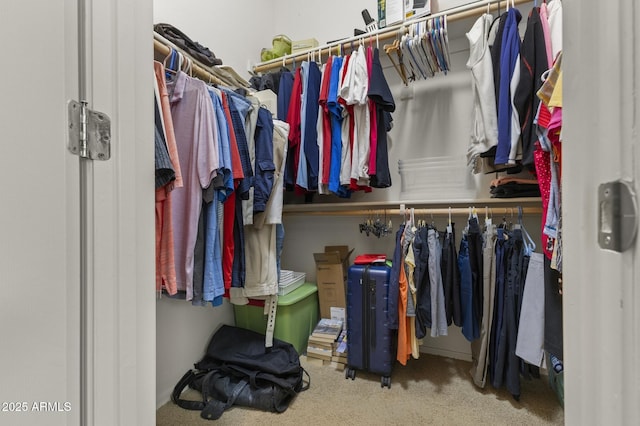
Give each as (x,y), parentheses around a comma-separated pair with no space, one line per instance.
(481,211)
(390,32)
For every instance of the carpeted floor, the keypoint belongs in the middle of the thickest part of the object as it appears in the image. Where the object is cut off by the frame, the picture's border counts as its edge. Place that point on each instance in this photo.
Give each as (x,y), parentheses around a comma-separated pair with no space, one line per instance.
(431,390)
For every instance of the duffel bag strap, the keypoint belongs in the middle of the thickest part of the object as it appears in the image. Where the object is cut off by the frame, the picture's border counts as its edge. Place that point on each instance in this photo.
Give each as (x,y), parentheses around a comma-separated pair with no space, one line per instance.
(189,377)
(214,408)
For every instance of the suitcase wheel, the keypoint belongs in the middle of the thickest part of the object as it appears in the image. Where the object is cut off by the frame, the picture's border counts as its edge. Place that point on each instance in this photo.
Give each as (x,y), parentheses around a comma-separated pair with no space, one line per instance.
(385,381)
(350,373)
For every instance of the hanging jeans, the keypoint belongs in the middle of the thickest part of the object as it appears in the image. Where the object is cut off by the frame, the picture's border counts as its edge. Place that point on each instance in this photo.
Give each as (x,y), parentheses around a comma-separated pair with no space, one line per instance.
(438,314)
(498,313)
(475,260)
(451,278)
(508,362)
(516,273)
(392,311)
(469,326)
(480,347)
(423,284)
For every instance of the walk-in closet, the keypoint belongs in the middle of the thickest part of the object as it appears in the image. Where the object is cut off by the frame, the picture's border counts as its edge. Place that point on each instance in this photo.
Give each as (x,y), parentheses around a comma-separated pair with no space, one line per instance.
(99,307)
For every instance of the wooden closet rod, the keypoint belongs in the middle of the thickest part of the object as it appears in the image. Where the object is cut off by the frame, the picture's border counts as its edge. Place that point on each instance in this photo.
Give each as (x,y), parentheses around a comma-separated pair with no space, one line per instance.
(492,211)
(390,32)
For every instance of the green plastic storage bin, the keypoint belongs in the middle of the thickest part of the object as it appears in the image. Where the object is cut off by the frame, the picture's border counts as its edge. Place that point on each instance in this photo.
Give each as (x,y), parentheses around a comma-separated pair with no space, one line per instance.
(296,316)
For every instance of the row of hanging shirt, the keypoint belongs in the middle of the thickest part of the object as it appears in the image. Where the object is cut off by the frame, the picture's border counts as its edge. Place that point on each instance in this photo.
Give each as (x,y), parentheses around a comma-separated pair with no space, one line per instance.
(433,286)
(220,161)
(507,74)
(339,114)
(517,120)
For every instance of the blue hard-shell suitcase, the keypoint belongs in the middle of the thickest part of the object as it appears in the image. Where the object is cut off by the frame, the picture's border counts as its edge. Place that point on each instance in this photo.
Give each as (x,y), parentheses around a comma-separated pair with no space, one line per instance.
(369,338)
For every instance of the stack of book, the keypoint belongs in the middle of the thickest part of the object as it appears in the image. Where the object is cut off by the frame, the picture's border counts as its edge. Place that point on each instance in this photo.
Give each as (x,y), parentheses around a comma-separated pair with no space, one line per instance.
(339,354)
(322,341)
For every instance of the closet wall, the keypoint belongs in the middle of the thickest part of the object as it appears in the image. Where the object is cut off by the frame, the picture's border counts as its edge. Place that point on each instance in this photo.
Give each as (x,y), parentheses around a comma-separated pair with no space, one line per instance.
(432,118)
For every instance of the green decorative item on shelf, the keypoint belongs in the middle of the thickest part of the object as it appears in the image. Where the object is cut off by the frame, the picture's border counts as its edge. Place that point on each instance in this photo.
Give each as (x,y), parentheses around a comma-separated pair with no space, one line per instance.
(281,46)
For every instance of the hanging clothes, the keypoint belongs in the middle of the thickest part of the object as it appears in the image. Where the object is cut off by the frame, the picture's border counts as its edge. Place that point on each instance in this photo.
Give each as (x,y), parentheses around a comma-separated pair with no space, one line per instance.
(484,131)
(496,338)
(509,78)
(423,283)
(335,110)
(451,278)
(480,347)
(191,108)
(284,94)
(165,260)
(509,366)
(294,120)
(404,322)
(530,344)
(438,314)
(354,92)
(325,142)
(394,281)
(310,130)
(474,239)
(469,325)
(533,63)
(382,97)
(409,265)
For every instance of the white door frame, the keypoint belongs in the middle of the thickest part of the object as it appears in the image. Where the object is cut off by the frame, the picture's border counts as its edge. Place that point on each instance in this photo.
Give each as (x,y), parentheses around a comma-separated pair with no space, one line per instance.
(601,66)
(120,226)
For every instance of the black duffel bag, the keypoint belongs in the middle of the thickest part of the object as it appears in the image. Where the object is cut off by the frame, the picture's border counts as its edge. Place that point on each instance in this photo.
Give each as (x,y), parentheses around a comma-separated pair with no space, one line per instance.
(239,370)
(180,39)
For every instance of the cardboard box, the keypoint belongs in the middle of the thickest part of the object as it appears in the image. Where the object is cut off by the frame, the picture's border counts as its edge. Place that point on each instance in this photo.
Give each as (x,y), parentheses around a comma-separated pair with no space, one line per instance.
(390,12)
(302,45)
(331,277)
(442,5)
(416,8)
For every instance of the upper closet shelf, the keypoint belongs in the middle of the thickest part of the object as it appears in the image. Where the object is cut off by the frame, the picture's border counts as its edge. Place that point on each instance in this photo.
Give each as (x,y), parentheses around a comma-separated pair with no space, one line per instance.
(466,11)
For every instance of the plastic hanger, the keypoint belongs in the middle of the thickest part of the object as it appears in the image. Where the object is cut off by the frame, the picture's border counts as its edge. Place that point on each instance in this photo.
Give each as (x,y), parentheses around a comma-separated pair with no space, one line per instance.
(389,49)
(445,39)
(449,224)
(419,51)
(487,220)
(427,49)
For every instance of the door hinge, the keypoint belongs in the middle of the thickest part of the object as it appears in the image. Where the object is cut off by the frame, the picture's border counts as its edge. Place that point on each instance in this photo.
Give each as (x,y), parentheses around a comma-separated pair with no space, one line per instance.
(89,132)
(618,216)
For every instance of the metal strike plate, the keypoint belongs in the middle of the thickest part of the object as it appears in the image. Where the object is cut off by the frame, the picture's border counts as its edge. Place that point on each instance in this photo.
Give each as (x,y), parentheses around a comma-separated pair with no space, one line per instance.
(618,216)
(89,132)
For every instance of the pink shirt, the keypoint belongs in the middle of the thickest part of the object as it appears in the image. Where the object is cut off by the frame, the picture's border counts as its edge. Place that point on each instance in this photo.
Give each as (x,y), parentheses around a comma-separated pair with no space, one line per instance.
(194,123)
(544,20)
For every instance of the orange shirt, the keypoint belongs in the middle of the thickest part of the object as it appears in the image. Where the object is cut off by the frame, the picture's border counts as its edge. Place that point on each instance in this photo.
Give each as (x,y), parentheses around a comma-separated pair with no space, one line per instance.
(404,328)
(165,258)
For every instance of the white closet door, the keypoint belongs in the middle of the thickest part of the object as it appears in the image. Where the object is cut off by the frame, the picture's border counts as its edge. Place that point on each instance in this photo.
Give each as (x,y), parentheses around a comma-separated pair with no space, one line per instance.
(39,204)
(40,236)
(601,66)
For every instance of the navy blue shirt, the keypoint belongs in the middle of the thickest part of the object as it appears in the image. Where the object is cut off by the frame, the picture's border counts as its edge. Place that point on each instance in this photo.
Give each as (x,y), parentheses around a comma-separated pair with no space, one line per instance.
(380,94)
(284,94)
(265,167)
(311,151)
